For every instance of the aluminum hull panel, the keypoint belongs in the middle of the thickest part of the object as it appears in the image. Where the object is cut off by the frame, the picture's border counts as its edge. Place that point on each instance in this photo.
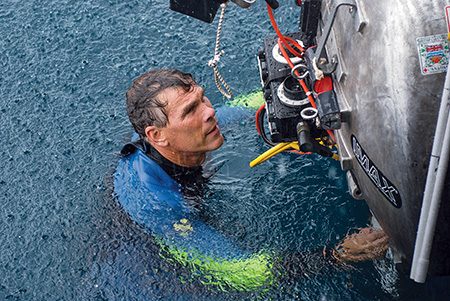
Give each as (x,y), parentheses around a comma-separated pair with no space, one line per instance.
(393,111)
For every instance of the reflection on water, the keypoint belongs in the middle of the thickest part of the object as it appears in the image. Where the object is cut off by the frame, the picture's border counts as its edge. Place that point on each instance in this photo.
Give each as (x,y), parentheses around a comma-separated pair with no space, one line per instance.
(65,68)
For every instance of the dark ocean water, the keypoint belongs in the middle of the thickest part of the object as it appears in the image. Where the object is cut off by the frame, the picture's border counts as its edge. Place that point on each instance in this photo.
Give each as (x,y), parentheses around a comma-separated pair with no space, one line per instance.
(65,66)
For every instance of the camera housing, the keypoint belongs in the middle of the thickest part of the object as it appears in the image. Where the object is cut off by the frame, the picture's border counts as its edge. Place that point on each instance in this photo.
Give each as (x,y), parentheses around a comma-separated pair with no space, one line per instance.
(284,97)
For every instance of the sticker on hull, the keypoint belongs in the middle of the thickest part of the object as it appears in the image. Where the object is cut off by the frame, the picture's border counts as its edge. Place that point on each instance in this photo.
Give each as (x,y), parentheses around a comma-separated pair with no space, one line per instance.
(433,53)
(389,191)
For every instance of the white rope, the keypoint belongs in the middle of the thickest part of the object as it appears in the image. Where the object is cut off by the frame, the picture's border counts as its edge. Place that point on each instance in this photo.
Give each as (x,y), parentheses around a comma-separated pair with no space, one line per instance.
(317,72)
(221,84)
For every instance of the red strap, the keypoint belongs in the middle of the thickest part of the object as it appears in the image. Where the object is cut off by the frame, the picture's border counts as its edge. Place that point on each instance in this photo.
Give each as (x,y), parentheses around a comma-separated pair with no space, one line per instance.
(323,85)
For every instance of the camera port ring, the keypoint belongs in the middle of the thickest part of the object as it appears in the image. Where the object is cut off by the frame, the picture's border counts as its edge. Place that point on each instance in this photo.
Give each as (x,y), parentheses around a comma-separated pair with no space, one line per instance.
(309,113)
(280,59)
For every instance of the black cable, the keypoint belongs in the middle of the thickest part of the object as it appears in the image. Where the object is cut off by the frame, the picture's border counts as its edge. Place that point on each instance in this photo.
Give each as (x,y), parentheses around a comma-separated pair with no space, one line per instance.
(260,122)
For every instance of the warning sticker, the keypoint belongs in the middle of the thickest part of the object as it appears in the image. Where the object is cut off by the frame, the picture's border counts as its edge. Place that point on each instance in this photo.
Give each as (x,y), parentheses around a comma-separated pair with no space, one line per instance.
(433,53)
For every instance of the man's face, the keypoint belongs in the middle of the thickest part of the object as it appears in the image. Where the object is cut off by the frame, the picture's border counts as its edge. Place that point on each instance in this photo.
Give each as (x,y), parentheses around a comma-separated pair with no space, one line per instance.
(192,125)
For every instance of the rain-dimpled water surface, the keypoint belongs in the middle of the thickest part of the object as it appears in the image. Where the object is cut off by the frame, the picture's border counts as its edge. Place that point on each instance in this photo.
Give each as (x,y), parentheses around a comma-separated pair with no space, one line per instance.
(65,66)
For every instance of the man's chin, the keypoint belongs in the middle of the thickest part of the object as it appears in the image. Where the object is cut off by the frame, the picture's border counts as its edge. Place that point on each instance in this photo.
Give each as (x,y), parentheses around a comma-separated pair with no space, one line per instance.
(218,142)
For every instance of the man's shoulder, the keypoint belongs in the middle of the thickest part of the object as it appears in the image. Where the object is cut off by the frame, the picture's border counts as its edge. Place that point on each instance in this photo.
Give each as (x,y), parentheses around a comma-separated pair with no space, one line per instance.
(145,168)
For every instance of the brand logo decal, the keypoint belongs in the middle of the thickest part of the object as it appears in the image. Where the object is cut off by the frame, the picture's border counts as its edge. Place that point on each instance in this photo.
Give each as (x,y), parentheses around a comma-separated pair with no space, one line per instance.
(433,53)
(375,175)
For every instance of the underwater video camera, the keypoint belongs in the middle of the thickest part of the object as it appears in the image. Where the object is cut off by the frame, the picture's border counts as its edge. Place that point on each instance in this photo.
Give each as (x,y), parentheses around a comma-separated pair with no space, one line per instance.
(284,97)
(290,114)
(286,102)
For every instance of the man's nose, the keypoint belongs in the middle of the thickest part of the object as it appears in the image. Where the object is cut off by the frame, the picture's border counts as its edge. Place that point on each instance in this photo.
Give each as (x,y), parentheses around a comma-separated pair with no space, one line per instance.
(209,112)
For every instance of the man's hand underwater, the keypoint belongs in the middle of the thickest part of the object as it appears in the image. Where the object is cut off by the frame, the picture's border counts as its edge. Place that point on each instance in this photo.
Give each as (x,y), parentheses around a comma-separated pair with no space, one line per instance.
(367,244)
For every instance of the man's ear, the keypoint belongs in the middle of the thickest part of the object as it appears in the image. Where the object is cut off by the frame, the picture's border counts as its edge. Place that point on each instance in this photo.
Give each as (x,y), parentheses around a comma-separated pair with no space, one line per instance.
(156,135)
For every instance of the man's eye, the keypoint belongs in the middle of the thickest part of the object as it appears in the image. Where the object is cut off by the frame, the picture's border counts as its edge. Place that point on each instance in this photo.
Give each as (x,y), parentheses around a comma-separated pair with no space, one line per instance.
(191,110)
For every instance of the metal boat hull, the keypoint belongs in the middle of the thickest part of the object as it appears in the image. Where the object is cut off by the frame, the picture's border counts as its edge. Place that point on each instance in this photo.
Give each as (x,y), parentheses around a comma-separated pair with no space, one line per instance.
(390,111)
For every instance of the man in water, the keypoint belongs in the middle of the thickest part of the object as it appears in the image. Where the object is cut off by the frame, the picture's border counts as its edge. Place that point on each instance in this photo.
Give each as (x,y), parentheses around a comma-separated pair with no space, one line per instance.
(177,126)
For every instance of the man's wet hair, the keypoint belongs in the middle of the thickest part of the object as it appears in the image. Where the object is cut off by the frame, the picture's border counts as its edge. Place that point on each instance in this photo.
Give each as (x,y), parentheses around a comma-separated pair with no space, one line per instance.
(144,104)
